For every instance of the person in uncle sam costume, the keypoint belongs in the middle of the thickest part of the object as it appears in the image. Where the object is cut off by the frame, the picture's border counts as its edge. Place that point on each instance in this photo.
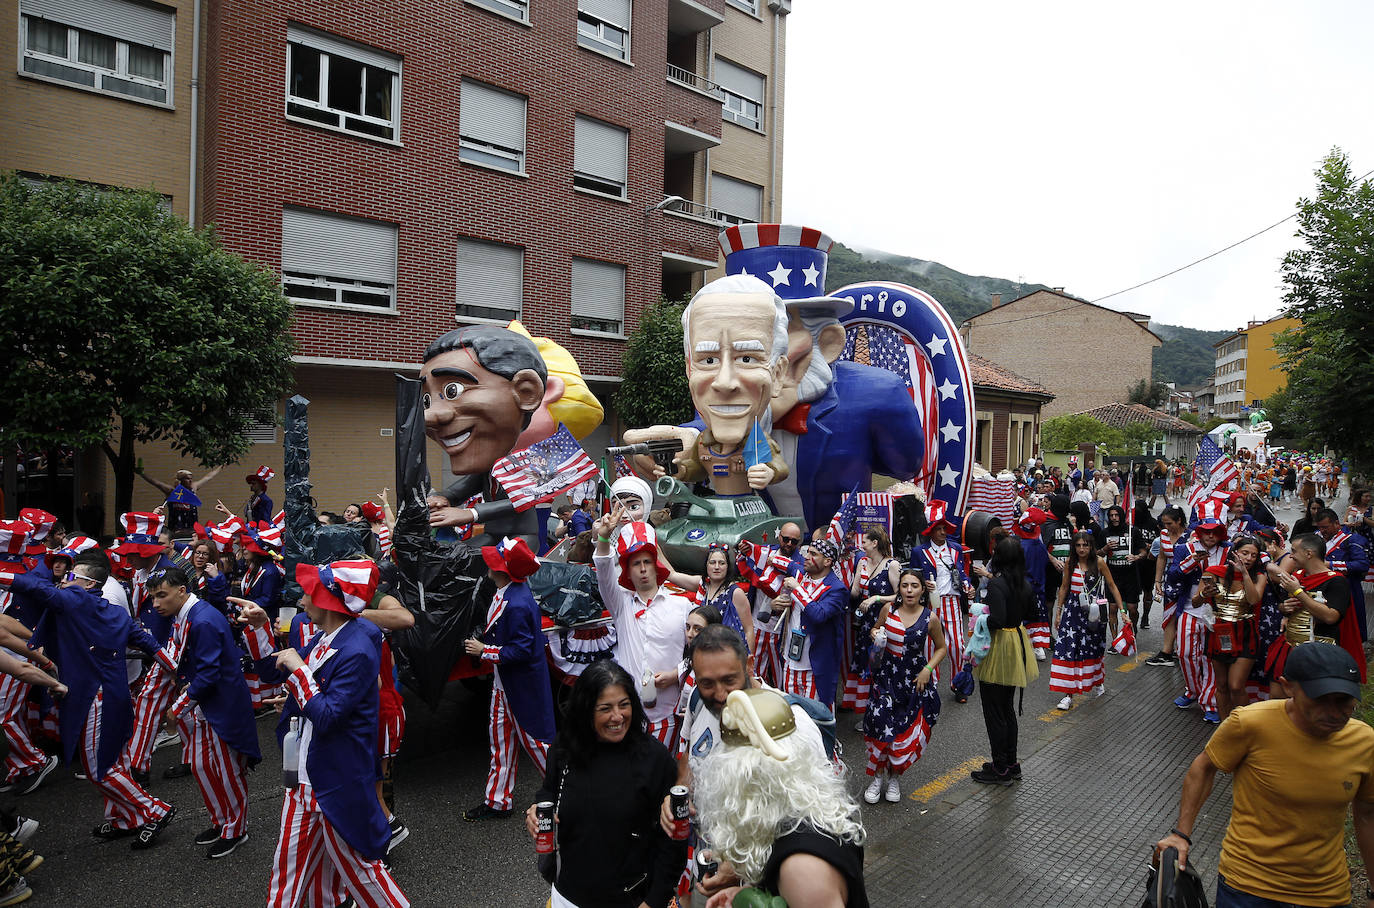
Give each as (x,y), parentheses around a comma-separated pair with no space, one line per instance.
(812,639)
(258,509)
(650,621)
(214,712)
(334,832)
(88,637)
(941,562)
(1206,547)
(521,703)
(262,582)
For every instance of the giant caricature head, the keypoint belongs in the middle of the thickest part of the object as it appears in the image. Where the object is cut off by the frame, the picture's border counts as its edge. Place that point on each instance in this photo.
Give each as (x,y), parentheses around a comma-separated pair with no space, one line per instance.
(481,387)
(735,338)
(815,339)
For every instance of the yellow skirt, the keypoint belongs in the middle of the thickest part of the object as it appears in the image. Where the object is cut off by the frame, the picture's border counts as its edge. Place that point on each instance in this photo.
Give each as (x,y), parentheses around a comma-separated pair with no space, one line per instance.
(1010,659)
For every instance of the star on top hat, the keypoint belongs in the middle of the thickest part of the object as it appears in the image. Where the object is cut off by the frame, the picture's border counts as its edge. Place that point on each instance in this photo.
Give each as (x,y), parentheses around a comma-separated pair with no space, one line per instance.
(789,258)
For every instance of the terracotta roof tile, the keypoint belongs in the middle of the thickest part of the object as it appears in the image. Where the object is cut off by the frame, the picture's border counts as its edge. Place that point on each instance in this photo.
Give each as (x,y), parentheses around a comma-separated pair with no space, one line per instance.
(1121,415)
(987,374)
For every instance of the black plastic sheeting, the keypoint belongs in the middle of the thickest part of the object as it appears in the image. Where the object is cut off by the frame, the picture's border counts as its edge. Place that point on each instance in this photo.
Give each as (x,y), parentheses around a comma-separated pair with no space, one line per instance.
(441,583)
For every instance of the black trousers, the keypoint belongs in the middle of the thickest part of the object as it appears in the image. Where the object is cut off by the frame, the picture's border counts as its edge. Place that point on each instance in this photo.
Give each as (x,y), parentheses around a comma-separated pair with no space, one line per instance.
(999,714)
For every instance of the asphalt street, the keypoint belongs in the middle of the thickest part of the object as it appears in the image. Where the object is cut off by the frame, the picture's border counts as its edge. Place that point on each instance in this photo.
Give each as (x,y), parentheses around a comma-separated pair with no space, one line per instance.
(1111,766)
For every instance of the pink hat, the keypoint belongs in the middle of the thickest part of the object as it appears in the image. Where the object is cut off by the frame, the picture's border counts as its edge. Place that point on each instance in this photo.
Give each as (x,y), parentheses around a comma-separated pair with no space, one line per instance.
(632,539)
(345,587)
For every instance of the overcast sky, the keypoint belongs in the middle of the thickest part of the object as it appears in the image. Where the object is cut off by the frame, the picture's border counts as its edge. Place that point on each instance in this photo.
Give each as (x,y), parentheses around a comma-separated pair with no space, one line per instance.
(1084,145)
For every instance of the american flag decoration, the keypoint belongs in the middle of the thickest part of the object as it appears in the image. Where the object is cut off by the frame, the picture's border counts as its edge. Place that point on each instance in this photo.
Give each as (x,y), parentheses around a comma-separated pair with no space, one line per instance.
(911,335)
(1128,503)
(544,470)
(842,524)
(1212,470)
(622,467)
(996,496)
(14,538)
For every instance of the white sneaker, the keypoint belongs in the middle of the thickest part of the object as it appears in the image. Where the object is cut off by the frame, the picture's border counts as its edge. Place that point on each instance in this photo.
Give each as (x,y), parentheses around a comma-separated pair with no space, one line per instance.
(1040,654)
(1066,703)
(874,791)
(1098,691)
(164,739)
(894,790)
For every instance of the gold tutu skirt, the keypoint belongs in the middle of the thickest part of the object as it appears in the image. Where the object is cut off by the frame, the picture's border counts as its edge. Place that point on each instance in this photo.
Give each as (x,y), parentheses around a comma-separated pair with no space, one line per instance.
(1010,659)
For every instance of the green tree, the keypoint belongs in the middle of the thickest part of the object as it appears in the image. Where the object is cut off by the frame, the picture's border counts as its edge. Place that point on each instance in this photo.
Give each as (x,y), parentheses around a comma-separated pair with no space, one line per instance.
(1066,433)
(1152,394)
(126,325)
(1330,289)
(1137,435)
(654,390)
(1193,418)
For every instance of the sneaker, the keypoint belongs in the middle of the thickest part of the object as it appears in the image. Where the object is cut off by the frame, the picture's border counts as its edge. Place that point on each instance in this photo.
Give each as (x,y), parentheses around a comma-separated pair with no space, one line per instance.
(485,811)
(264,711)
(28,863)
(1144,624)
(1183,701)
(1040,654)
(225,847)
(17,893)
(1098,691)
(1211,718)
(1162,658)
(140,776)
(165,739)
(874,792)
(1066,703)
(177,771)
(208,837)
(399,833)
(25,830)
(108,830)
(80,775)
(30,782)
(1015,770)
(992,777)
(894,791)
(147,834)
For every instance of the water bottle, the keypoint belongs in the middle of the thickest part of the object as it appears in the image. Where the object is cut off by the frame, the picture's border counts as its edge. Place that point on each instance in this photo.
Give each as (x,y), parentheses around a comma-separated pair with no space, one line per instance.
(290,755)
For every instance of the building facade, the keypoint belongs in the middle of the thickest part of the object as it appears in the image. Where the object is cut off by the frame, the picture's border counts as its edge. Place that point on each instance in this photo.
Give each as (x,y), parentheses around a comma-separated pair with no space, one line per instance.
(1007,413)
(411,167)
(1089,355)
(1177,438)
(1249,367)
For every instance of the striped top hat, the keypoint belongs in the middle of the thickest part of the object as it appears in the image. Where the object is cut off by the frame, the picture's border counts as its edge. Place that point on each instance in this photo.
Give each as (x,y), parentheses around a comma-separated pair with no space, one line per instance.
(264,472)
(140,533)
(1210,514)
(345,587)
(633,538)
(791,259)
(14,539)
(935,514)
(262,538)
(221,535)
(75,546)
(40,525)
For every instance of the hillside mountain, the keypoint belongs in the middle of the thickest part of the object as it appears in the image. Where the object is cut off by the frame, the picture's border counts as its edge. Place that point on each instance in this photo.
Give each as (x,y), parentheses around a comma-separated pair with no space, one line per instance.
(1186,357)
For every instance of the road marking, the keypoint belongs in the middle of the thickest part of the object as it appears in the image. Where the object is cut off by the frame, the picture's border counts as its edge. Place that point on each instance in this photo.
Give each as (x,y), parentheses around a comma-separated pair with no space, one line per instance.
(938,786)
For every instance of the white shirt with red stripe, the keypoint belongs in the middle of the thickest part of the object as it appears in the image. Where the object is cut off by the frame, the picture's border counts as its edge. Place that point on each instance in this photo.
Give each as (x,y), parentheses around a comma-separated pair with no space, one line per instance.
(650,636)
(305,679)
(383,534)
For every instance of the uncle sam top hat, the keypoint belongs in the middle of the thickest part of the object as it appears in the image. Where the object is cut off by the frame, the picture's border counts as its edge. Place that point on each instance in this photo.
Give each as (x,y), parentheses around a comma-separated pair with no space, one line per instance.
(791,259)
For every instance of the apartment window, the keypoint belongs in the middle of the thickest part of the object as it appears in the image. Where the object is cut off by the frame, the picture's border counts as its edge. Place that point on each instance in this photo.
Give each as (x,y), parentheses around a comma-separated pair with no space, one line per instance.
(345,86)
(749,6)
(108,46)
(604,26)
(332,260)
(735,201)
(262,428)
(516,9)
(743,90)
(491,127)
(598,296)
(490,281)
(600,151)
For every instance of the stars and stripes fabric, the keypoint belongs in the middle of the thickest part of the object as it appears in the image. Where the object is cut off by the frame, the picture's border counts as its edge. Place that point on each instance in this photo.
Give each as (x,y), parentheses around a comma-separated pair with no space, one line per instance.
(622,467)
(842,524)
(544,470)
(221,773)
(1212,470)
(504,733)
(996,496)
(352,583)
(24,756)
(766,568)
(901,355)
(1199,677)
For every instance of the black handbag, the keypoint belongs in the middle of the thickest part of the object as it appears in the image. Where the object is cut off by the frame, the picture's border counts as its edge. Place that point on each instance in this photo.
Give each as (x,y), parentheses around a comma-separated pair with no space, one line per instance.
(1169,887)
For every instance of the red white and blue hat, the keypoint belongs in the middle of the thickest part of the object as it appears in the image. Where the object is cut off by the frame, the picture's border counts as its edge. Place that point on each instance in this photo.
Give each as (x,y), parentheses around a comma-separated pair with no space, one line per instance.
(262,538)
(140,533)
(1211,515)
(935,514)
(265,473)
(791,259)
(40,525)
(14,538)
(633,538)
(345,587)
(75,546)
(511,556)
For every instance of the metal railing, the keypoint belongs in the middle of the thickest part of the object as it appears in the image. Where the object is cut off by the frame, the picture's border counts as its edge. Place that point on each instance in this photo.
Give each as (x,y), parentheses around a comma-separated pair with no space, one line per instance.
(692,80)
(704,212)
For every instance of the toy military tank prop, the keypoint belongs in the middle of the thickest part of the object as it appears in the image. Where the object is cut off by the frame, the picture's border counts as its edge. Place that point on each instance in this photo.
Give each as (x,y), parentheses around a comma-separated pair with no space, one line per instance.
(725,519)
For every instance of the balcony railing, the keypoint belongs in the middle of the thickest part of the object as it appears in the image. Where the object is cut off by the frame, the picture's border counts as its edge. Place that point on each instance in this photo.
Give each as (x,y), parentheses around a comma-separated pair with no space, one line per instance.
(692,80)
(703,212)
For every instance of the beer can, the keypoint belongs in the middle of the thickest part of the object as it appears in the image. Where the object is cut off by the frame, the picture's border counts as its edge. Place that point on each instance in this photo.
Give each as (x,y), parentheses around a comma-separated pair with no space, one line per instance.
(682,817)
(706,865)
(543,827)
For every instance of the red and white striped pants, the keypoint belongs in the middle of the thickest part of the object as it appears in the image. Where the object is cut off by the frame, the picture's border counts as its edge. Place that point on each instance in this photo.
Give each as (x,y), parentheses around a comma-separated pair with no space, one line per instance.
(952,623)
(798,681)
(504,732)
(1199,679)
(220,772)
(151,704)
(24,755)
(665,730)
(127,804)
(767,663)
(313,859)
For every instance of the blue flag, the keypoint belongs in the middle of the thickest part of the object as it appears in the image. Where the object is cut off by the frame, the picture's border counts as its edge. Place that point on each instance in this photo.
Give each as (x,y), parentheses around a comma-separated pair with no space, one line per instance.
(182,495)
(756,450)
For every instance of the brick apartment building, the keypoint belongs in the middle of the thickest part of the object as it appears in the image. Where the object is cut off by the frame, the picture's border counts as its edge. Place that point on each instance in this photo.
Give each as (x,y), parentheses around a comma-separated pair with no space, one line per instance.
(1008,415)
(411,166)
(1088,355)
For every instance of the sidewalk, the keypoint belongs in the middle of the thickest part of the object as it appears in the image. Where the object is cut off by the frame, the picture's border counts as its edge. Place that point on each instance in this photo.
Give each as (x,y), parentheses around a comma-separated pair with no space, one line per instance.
(1101,786)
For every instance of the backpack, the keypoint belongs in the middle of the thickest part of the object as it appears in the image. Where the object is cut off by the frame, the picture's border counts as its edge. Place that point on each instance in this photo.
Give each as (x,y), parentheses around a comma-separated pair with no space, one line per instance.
(815,710)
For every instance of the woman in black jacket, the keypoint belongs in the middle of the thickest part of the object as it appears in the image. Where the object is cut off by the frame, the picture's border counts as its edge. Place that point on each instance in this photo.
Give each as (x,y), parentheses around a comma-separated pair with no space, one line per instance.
(1010,662)
(608,777)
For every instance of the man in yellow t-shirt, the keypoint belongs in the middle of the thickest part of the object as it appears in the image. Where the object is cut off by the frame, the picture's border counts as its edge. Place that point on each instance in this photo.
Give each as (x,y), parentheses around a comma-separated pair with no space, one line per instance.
(1298,765)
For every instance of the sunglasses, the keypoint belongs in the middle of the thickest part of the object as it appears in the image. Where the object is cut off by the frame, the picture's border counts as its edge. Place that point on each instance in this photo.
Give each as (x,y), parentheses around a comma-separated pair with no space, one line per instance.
(792,539)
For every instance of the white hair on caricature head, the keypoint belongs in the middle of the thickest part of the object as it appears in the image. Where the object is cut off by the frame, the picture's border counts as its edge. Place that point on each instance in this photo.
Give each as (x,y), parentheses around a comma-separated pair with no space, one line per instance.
(819,375)
(746,800)
(740,283)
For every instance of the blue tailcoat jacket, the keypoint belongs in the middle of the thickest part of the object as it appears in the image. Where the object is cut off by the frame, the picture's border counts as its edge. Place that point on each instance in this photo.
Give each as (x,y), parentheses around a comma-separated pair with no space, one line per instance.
(212,668)
(518,644)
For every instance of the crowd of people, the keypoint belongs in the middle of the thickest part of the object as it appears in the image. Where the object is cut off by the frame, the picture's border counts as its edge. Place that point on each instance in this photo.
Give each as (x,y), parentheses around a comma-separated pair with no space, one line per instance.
(696,739)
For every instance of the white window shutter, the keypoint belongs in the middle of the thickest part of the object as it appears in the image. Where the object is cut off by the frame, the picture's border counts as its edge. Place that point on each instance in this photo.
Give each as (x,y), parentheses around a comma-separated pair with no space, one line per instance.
(340,47)
(120,19)
(600,150)
(490,275)
(313,242)
(736,197)
(490,115)
(738,80)
(598,290)
(614,12)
